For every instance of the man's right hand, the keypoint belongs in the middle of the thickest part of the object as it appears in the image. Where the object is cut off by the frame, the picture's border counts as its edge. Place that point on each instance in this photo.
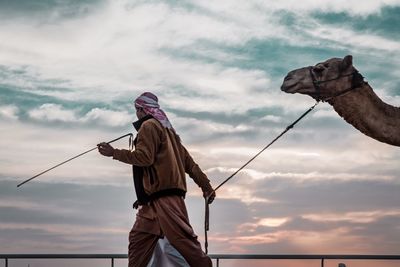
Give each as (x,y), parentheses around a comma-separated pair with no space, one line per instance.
(105,149)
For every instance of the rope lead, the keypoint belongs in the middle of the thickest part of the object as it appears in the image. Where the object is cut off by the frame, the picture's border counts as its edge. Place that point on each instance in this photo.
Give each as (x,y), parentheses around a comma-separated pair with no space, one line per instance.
(206,223)
(207,206)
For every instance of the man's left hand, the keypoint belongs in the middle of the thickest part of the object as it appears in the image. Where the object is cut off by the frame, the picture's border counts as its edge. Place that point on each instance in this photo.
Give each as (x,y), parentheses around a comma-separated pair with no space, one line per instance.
(106,149)
(210,195)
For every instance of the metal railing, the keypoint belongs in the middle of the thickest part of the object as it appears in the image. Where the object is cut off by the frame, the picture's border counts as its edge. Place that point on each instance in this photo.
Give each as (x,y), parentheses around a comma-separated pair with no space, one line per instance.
(217,257)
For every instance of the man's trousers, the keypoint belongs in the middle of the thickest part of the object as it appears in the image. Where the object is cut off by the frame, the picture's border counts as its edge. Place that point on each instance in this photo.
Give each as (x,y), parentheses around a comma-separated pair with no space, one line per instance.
(165,216)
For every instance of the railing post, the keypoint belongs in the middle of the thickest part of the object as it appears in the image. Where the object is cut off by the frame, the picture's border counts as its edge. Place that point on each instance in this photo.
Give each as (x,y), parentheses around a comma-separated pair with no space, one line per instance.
(112,262)
(322,262)
(6,262)
(217,262)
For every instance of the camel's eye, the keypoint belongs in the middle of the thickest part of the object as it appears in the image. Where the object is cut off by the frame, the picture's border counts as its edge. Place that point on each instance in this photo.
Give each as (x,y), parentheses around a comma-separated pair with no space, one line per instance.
(318,69)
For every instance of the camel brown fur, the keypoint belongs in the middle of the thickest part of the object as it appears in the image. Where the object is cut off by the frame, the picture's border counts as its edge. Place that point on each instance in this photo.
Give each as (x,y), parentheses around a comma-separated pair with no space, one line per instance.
(360,106)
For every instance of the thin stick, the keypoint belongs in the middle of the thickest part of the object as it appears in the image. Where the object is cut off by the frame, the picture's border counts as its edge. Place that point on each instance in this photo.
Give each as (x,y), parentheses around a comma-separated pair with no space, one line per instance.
(68,160)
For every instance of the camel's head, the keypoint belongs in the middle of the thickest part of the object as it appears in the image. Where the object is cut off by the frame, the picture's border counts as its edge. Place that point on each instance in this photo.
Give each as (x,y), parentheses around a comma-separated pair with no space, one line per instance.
(322,80)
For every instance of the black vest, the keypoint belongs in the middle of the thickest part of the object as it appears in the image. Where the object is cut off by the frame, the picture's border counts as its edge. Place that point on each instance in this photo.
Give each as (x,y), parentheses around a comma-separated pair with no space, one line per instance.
(142,197)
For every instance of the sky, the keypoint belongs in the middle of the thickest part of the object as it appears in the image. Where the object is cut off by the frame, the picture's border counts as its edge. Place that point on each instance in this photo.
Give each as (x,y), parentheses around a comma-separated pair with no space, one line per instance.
(70,70)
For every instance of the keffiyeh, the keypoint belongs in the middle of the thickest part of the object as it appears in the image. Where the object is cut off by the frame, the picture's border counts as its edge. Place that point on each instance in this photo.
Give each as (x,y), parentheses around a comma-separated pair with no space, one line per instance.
(149,103)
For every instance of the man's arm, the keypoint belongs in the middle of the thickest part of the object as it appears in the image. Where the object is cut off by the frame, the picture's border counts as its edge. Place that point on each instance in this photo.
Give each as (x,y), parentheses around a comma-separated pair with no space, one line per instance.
(199,177)
(148,140)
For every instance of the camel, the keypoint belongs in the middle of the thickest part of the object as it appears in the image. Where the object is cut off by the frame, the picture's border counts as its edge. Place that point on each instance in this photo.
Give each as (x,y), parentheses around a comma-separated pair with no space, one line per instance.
(337,82)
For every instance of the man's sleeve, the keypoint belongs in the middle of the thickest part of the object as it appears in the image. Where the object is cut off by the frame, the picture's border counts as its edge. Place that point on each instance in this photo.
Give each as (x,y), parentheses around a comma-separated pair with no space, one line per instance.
(196,173)
(148,140)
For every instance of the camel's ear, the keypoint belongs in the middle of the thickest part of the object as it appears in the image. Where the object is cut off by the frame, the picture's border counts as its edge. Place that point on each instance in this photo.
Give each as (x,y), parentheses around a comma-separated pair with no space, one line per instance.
(346,62)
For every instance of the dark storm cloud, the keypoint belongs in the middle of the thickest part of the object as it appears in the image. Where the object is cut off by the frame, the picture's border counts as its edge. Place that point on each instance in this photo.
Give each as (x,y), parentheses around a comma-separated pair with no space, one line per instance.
(49,217)
(293,198)
(225,214)
(63,203)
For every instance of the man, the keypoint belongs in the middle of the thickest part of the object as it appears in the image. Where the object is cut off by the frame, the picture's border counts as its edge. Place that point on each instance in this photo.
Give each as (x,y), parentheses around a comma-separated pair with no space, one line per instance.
(160,162)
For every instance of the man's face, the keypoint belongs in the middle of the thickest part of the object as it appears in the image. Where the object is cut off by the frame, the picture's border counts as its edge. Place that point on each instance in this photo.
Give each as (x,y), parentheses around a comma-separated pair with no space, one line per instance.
(140,113)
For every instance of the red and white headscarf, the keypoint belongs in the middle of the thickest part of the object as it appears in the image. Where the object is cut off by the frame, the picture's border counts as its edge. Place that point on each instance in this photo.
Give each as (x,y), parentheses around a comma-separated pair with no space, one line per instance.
(149,103)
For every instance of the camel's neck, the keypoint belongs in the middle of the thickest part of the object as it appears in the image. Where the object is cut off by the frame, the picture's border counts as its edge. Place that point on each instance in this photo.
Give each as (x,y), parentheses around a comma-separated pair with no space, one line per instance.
(368,113)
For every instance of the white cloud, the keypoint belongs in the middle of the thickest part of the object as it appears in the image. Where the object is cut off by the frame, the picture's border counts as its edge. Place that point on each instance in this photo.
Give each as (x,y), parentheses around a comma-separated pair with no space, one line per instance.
(220,86)
(240,193)
(9,112)
(53,112)
(39,148)
(328,112)
(272,222)
(117,48)
(301,178)
(352,38)
(389,99)
(271,118)
(107,117)
(348,6)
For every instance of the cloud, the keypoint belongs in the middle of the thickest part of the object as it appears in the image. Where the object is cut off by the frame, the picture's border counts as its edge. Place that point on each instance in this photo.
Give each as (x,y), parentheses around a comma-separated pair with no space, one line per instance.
(9,112)
(56,113)
(67,82)
(271,118)
(344,36)
(356,217)
(52,112)
(351,6)
(47,12)
(127,32)
(107,117)
(272,222)
(325,113)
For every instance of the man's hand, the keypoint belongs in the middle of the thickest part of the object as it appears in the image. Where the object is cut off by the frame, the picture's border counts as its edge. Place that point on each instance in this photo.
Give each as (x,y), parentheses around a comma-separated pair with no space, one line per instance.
(210,195)
(106,149)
